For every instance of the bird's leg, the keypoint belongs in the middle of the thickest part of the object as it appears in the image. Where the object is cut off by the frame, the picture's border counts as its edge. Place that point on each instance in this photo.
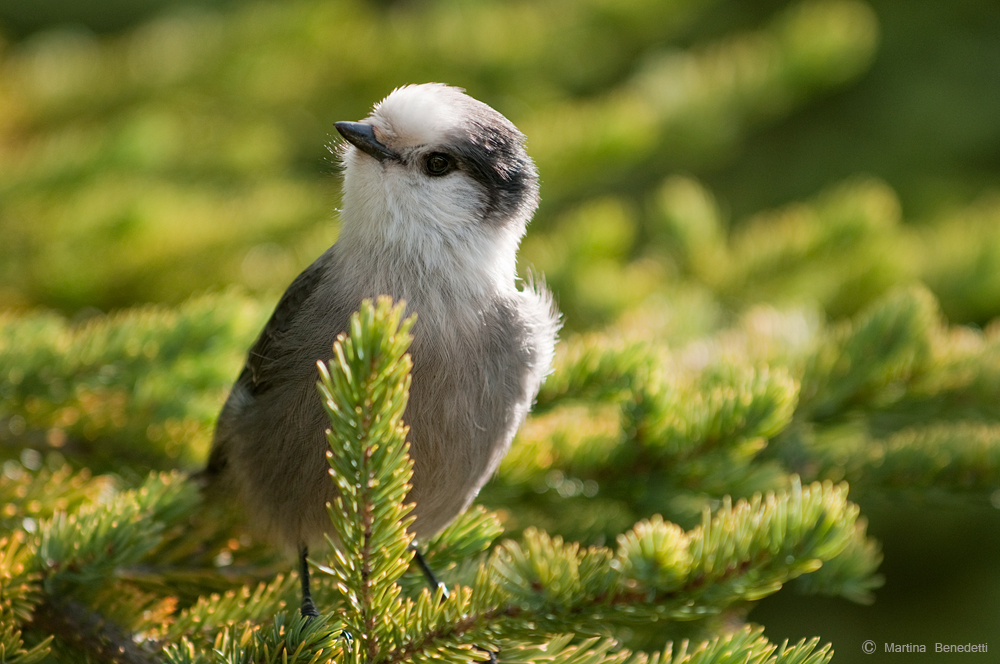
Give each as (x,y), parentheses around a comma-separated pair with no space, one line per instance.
(308,608)
(432,580)
(434,583)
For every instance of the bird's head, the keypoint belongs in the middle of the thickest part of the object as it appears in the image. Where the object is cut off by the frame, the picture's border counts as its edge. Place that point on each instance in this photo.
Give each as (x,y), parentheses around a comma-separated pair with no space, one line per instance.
(431,163)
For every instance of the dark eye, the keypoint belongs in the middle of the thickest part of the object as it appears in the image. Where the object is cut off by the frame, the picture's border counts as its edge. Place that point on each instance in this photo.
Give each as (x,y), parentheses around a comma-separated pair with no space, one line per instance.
(438,164)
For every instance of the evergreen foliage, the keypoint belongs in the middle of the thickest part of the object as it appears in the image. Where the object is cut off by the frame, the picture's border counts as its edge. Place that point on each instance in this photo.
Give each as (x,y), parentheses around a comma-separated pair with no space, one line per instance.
(717,445)
(196,139)
(731,394)
(97,388)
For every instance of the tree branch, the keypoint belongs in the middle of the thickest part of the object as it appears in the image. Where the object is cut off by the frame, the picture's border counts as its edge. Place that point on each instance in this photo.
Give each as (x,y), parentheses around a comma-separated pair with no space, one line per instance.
(73,623)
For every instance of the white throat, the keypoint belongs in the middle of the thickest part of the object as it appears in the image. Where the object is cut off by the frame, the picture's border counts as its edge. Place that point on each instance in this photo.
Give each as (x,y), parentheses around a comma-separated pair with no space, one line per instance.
(409,240)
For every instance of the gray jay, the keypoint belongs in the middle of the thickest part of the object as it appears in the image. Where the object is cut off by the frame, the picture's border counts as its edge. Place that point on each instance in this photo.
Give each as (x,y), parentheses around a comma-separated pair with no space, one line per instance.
(438,190)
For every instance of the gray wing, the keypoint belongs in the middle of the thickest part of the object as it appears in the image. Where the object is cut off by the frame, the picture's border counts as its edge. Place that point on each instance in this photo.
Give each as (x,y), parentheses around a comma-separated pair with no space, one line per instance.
(258,375)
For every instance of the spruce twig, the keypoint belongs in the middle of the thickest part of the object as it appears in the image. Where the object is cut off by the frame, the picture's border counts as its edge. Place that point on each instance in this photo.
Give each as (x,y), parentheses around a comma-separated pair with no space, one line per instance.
(365,390)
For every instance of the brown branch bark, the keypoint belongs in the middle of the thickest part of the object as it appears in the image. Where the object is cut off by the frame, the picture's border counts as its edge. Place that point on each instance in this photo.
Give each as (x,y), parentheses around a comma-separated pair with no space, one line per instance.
(79,627)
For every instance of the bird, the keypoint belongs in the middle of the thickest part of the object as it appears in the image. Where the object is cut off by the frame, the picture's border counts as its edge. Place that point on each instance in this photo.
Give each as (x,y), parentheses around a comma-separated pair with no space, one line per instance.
(438,190)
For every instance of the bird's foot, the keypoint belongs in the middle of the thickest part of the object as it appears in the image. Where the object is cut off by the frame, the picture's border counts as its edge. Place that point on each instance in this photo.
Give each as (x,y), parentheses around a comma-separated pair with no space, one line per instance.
(491,657)
(308,609)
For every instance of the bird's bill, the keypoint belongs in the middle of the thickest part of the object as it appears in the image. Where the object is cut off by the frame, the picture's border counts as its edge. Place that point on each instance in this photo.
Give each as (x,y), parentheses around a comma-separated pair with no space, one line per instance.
(362,136)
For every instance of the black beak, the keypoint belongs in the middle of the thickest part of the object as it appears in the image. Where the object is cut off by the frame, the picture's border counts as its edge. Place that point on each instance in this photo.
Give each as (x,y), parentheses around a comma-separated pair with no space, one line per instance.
(362,136)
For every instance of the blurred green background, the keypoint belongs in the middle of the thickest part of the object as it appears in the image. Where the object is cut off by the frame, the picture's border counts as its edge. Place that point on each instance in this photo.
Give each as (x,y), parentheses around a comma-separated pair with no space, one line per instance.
(706,154)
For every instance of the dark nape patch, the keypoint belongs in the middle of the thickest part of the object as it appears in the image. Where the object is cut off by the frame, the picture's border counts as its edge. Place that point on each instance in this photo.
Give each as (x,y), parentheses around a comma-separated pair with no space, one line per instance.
(493,154)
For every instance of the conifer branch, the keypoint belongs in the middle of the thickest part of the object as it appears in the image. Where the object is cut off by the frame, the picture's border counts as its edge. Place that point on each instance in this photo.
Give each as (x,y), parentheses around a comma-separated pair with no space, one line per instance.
(888,343)
(76,625)
(144,381)
(20,596)
(81,550)
(243,604)
(453,631)
(596,368)
(87,545)
(365,390)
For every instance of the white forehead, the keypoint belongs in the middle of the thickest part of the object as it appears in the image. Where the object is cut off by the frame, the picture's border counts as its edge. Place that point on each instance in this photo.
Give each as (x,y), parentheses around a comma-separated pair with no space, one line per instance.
(420,114)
